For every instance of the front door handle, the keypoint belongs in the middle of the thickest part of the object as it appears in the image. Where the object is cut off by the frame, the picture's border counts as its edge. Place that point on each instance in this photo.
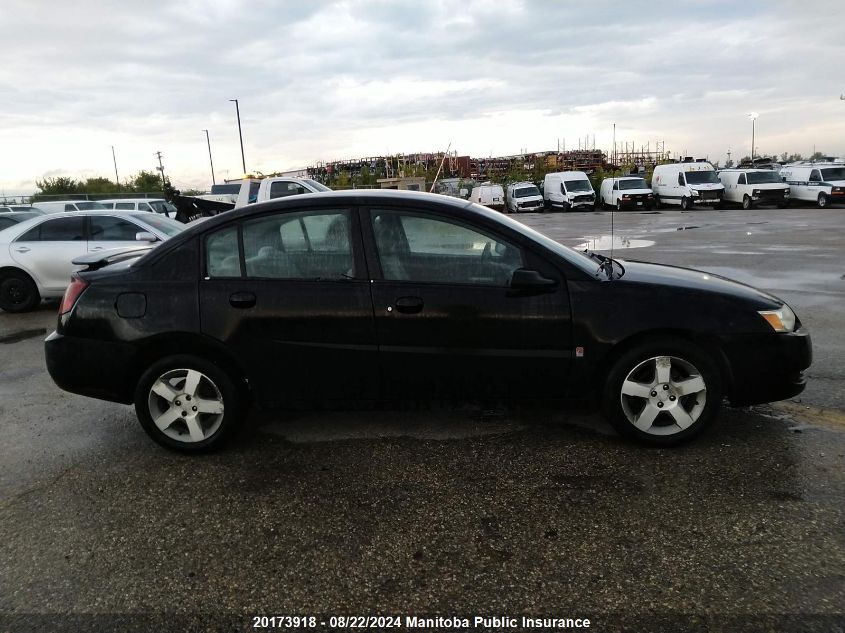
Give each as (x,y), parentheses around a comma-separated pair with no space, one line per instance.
(96,248)
(409,305)
(22,249)
(242,300)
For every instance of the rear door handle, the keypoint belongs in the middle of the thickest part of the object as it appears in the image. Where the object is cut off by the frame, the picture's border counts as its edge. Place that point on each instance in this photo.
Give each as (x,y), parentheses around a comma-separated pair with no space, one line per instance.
(409,305)
(242,300)
(96,248)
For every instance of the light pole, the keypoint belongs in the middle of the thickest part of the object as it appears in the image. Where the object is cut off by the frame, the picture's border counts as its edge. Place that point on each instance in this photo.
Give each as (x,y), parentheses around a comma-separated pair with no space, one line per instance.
(208,140)
(240,134)
(753,116)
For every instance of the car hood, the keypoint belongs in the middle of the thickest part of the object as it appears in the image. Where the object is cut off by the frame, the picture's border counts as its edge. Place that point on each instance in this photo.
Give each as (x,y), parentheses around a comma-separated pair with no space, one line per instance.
(707,186)
(695,280)
(627,192)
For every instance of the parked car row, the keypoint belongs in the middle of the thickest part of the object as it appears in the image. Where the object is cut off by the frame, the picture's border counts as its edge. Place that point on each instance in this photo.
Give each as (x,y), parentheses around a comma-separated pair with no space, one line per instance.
(155,205)
(684,184)
(36,253)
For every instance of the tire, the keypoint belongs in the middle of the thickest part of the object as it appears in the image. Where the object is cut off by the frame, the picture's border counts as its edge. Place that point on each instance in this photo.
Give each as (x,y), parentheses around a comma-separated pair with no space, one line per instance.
(747,203)
(684,204)
(18,293)
(177,427)
(657,202)
(822,201)
(566,208)
(618,205)
(673,417)
(782,205)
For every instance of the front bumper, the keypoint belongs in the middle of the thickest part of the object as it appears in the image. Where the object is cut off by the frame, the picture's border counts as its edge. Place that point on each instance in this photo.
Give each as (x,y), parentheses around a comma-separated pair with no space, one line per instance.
(89,367)
(766,367)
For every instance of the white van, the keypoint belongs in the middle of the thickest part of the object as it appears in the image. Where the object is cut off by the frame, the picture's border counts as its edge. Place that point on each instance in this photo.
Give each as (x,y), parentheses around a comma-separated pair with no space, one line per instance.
(686,184)
(822,183)
(754,186)
(57,206)
(567,190)
(489,195)
(154,205)
(627,192)
(523,196)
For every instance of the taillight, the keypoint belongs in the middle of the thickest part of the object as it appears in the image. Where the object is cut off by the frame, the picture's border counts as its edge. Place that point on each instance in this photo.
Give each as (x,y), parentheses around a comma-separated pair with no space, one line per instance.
(77,285)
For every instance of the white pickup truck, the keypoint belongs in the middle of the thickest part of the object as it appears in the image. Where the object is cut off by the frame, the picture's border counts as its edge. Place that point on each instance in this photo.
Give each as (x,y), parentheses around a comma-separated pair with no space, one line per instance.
(252,191)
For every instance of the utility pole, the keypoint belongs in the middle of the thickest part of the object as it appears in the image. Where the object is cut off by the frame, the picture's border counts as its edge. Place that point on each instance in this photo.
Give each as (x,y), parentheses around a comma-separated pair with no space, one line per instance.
(116,179)
(240,134)
(208,140)
(161,169)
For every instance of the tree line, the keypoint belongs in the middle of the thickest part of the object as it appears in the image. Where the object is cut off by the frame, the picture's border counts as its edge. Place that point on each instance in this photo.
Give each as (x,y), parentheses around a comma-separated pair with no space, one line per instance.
(142,182)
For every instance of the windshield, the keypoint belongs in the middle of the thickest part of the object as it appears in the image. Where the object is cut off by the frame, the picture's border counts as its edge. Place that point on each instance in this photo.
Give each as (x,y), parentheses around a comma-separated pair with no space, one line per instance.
(633,183)
(318,186)
(701,177)
(762,177)
(524,192)
(165,225)
(89,206)
(835,173)
(578,185)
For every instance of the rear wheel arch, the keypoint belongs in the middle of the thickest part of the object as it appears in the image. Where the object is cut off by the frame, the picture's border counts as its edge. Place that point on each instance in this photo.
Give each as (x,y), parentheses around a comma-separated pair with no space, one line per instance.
(26,282)
(185,343)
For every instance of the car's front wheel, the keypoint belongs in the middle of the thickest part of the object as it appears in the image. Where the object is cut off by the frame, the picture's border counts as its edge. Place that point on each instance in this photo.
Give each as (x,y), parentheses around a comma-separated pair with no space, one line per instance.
(822,200)
(187,403)
(663,392)
(747,202)
(18,293)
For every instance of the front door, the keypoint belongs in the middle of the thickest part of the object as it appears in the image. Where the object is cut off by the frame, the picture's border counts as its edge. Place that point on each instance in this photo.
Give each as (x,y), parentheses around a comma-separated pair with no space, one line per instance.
(448,323)
(288,294)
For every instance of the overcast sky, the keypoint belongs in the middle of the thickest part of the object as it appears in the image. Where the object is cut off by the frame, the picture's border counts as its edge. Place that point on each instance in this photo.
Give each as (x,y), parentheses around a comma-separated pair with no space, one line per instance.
(330,80)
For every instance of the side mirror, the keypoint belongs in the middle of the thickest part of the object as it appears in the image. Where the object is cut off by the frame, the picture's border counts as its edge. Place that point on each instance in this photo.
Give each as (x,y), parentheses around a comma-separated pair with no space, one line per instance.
(145,236)
(526,279)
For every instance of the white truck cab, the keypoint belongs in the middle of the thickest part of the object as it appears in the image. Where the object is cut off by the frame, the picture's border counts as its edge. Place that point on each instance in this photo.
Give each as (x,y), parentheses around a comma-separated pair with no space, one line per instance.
(754,186)
(270,188)
(566,190)
(523,197)
(821,183)
(627,192)
(687,184)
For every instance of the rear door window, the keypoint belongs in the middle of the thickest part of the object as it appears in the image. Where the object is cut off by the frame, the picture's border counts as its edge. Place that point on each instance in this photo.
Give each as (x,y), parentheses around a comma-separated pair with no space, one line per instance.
(57,230)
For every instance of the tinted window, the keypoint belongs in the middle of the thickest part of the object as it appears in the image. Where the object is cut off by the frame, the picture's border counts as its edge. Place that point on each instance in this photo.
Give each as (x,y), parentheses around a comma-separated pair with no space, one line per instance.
(58,230)
(222,255)
(130,206)
(423,248)
(143,206)
(741,180)
(6,222)
(701,177)
(815,176)
(305,245)
(165,225)
(89,206)
(109,229)
(283,188)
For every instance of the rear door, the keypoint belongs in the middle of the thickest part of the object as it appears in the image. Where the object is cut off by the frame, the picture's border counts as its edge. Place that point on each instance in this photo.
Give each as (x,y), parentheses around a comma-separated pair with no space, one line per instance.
(288,293)
(448,323)
(47,250)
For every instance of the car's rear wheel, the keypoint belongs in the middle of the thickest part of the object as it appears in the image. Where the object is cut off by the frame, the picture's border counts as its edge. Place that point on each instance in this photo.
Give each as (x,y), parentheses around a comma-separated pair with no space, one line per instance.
(187,403)
(18,293)
(663,392)
(746,202)
(822,201)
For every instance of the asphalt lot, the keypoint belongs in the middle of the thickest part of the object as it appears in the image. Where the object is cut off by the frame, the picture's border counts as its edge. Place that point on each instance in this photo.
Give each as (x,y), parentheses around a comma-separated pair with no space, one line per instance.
(450,512)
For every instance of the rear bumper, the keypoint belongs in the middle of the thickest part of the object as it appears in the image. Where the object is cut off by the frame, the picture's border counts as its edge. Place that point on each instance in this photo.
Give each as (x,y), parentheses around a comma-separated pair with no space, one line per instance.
(767,367)
(89,367)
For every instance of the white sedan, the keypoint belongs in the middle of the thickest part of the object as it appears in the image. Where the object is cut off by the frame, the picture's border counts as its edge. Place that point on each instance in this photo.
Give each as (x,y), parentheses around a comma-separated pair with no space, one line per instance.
(36,255)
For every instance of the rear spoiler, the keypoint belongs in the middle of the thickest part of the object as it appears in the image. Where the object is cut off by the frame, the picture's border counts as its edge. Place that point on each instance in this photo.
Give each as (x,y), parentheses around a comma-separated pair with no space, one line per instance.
(101,259)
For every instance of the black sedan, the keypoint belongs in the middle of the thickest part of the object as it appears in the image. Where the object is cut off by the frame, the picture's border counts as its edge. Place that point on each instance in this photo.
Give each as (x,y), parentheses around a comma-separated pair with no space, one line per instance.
(372,296)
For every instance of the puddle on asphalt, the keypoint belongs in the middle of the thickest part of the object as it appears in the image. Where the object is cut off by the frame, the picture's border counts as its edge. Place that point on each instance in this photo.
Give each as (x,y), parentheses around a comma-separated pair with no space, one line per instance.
(606,242)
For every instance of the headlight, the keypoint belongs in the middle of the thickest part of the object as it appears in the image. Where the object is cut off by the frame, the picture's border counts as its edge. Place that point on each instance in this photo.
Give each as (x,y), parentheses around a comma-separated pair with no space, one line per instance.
(694,192)
(782,320)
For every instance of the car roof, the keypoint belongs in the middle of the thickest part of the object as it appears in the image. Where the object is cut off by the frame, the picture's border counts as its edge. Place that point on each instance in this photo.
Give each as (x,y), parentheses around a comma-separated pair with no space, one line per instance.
(131,200)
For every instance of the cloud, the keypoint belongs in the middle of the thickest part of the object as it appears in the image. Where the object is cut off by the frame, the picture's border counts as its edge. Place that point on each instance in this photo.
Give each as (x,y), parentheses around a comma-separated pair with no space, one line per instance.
(324,80)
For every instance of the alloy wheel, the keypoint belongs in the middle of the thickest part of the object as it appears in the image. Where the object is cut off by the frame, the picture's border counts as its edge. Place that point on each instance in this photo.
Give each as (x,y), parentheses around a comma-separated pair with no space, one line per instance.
(663,395)
(186,405)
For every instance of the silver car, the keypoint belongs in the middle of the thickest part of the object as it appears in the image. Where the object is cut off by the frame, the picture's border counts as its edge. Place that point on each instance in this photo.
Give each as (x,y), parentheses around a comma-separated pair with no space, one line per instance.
(36,255)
